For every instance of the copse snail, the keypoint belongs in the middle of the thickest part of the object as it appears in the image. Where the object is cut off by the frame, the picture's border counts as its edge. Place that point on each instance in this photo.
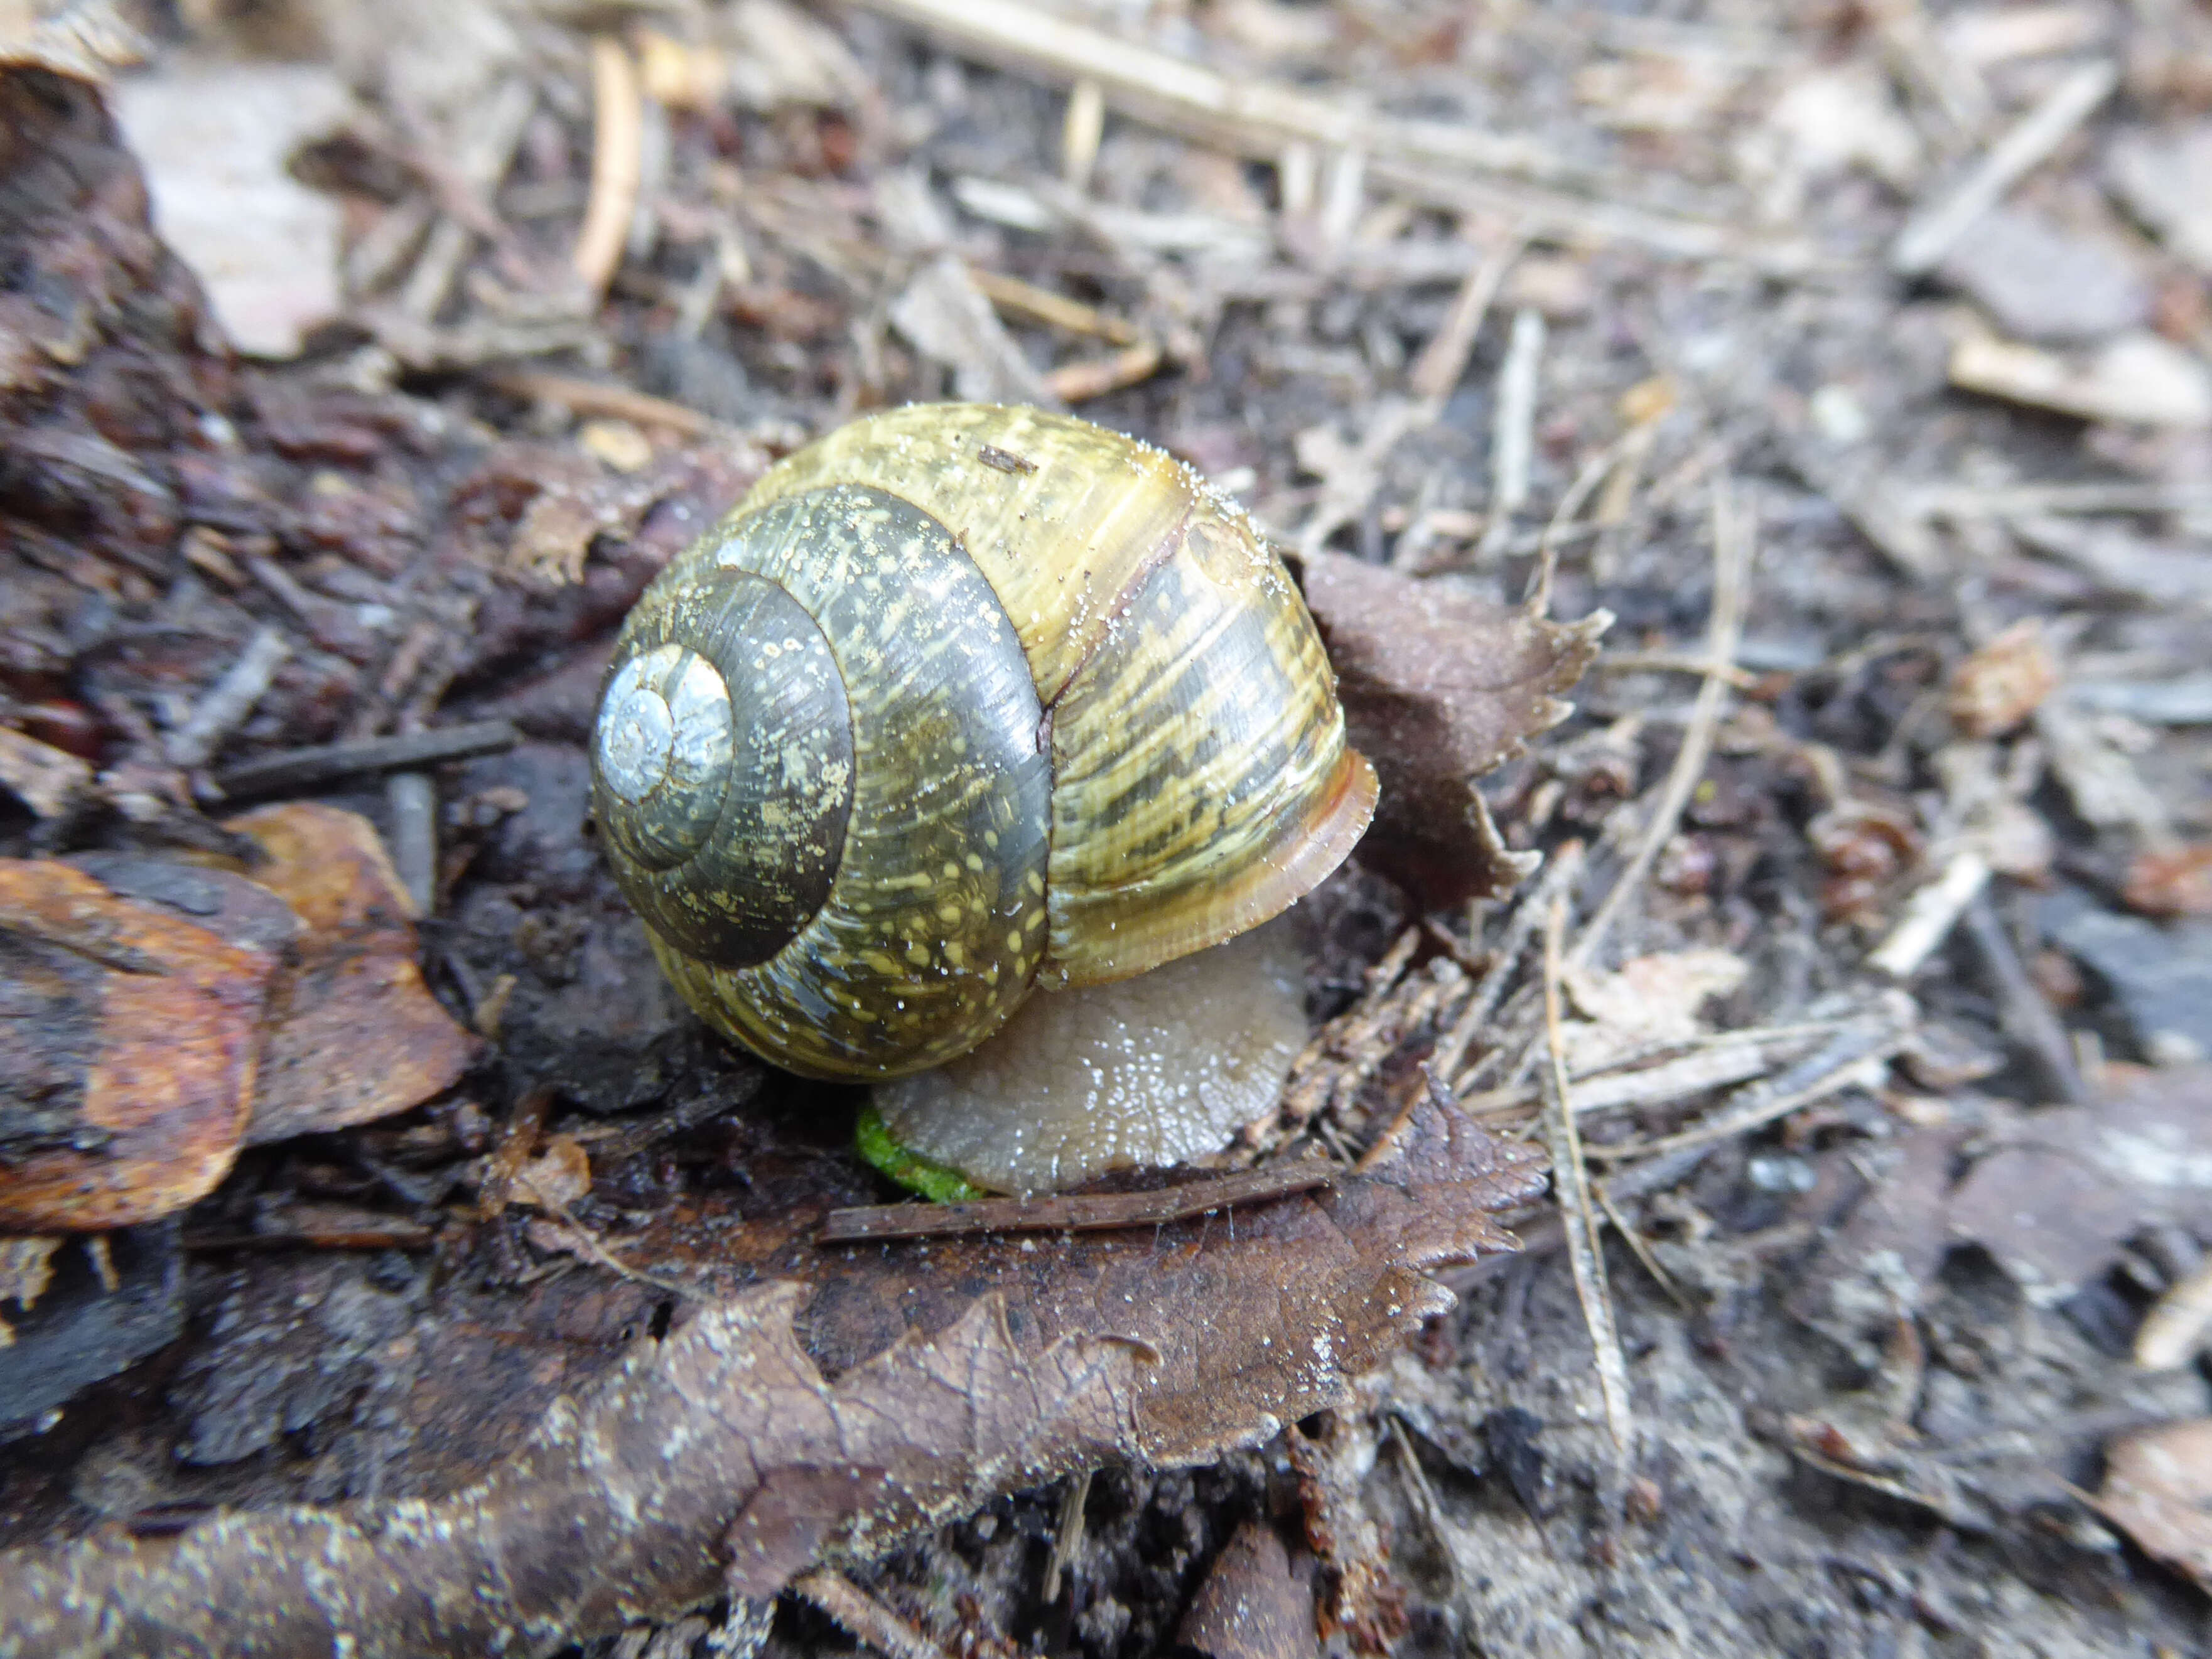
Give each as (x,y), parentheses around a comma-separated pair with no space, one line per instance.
(960,703)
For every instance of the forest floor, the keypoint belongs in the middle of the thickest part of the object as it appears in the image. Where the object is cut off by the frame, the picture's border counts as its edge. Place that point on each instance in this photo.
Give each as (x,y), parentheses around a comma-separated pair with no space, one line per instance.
(1856,360)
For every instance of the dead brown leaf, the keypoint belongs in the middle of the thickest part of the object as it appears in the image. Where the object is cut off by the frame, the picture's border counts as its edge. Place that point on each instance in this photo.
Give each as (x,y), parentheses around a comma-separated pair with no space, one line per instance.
(2004,681)
(129,1038)
(2172,882)
(1438,688)
(2158,1490)
(1252,1606)
(2064,1186)
(741,1449)
(353,1033)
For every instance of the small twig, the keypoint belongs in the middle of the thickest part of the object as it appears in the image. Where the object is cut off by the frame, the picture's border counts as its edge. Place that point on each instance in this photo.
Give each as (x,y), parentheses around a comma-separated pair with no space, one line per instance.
(1732,560)
(398,1235)
(1929,915)
(1077,382)
(1432,162)
(1935,229)
(1638,1244)
(1080,133)
(1537,600)
(561,1216)
(1040,305)
(1846,1058)
(708,1104)
(299,769)
(1559,880)
(412,799)
(596,397)
(617,163)
(1067,1537)
(1669,662)
(1512,442)
(1437,370)
(1571,1184)
(865,1617)
(2026,1016)
(229,700)
(1091,1213)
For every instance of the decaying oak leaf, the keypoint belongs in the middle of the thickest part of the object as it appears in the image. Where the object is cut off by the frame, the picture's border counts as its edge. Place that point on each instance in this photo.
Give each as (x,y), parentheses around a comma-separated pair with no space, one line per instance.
(926,1378)
(132,992)
(2158,1490)
(353,1033)
(1438,687)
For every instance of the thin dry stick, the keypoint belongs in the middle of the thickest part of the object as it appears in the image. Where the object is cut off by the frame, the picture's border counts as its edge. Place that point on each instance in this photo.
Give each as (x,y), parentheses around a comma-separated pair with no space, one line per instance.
(1851,1056)
(1935,229)
(1092,1213)
(1930,914)
(1512,442)
(1067,1538)
(1558,881)
(231,698)
(1437,370)
(1537,602)
(617,163)
(599,397)
(1732,557)
(1570,1184)
(863,1616)
(1428,161)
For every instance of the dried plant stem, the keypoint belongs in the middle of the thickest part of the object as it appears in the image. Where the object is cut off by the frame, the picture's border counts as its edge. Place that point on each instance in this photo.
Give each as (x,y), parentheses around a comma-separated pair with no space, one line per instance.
(1558,881)
(1570,1184)
(1432,162)
(617,163)
(1092,1213)
(598,397)
(863,1616)
(1731,558)
(1935,229)
(1437,370)
(1513,435)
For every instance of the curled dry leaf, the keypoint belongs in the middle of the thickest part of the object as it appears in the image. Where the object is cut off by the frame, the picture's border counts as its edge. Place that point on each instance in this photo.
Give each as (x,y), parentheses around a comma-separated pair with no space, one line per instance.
(130,1039)
(2158,1490)
(744,1447)
(354,1034)
(1438,687)
(2004,681)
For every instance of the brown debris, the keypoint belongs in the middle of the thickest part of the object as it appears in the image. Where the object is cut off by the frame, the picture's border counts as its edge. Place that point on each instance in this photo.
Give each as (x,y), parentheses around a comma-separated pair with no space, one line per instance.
(353,1033)
(1995,690)
(133,1046)
(1252,1605)
(1360,1597)
(1439,688)
(2172,882)
(831,1455)
(2158,1490)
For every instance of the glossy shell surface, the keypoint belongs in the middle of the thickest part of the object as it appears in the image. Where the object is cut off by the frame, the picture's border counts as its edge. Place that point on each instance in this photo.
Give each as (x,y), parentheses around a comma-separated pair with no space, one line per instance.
(1087,727)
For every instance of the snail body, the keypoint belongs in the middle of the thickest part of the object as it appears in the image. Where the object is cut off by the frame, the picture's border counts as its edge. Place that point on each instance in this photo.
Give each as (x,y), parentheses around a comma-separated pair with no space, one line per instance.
(962,701)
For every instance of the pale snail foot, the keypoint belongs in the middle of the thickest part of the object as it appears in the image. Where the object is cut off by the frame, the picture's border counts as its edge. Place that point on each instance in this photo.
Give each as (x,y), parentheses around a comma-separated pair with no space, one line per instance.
(1142,1073)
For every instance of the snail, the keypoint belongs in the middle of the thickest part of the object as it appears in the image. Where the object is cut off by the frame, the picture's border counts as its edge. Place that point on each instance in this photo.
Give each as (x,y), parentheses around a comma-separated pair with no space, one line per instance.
(959,704)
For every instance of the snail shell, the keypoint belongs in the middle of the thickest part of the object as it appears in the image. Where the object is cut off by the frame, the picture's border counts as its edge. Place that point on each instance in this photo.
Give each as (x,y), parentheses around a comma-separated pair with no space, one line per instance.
(960,701)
